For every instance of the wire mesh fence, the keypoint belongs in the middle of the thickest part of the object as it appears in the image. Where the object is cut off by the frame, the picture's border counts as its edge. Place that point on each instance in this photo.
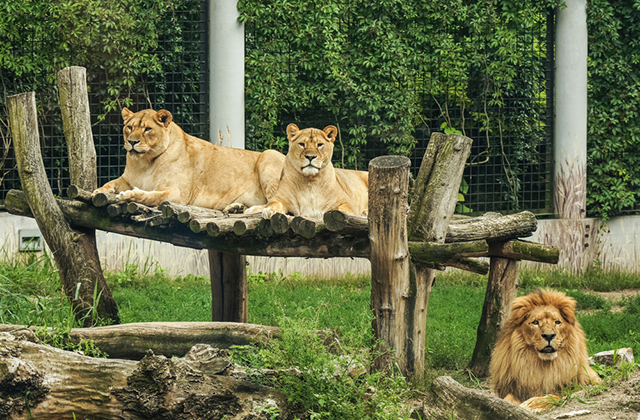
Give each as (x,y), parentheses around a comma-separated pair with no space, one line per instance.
(509,170)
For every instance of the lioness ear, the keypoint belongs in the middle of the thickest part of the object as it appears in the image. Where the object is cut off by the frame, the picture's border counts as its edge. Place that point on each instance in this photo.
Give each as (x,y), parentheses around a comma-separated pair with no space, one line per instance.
(292,130)
(126,113)
(331,133)
(163,117)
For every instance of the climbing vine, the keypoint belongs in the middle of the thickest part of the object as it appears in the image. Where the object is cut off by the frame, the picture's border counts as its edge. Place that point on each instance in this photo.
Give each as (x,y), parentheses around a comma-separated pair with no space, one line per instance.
(613,173)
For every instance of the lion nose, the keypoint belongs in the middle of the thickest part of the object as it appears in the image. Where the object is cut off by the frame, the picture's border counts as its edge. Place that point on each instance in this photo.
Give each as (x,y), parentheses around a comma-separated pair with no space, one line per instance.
(548,337)
(133,142)
(310,157)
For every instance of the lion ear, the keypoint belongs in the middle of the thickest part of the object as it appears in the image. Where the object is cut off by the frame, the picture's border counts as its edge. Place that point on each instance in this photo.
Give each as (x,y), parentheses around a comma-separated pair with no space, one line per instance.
(331,132)
(567,308)
(163,117)
(126,113)
(292,130)
(519,309)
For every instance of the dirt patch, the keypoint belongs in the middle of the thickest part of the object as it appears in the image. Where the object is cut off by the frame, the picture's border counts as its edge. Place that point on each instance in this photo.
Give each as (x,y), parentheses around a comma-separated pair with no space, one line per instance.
(619,402)
(617,295)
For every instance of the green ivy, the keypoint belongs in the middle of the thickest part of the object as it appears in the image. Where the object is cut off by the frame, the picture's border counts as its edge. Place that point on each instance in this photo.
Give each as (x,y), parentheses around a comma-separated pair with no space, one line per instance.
(373,66)
(613,175)
(113,39)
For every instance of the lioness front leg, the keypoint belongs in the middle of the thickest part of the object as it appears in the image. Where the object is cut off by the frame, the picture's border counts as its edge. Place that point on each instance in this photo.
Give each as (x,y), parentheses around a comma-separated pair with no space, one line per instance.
(346,207)
(272,208)
(148,198)
(115,186)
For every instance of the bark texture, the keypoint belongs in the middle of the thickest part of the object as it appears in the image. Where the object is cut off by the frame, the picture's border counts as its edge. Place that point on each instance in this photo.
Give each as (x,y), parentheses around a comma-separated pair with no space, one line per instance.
(228,274)
(390,285)
(80,271)
(450,400)
(501,291)
(43,382)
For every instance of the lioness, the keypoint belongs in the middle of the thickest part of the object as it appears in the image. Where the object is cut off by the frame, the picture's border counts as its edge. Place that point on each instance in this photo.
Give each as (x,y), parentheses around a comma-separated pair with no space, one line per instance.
(310,185)
(166,164)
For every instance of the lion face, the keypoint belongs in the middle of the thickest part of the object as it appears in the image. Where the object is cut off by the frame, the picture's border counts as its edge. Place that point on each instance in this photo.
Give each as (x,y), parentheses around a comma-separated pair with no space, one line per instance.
(310,150)
(145,132)
(544,331)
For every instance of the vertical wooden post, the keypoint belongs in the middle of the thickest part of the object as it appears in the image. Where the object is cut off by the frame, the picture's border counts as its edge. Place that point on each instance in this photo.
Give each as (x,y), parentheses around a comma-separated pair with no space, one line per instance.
(390,285)
(501,291)
(76,119)
(79,273)
(228,287)
(435,195)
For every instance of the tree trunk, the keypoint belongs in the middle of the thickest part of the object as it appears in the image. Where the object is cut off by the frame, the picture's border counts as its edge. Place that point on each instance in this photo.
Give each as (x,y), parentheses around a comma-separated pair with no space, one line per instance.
(390,284)
(43,382)
(80,273)
(434,200)
(228,274)
(76,119)
(131,341)
(501,291)
(450,400)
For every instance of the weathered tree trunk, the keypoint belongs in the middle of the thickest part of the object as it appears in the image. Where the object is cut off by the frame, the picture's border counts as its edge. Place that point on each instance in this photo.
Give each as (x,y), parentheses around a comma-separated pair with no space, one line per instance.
(131,341)
(501,291)
(79,274)
(43,382)
(228,274)
(434,200)
(450,400)
(519,225)
(76,119)
(390,284)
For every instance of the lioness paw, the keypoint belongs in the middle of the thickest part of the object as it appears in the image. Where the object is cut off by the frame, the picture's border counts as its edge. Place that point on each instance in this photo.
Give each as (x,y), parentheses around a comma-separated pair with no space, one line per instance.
(128,195)
(234,208)
(254,209)
(540,404)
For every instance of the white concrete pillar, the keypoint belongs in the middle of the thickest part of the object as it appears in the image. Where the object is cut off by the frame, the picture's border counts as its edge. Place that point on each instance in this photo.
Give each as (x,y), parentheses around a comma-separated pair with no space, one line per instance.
(570,132)
(226,73)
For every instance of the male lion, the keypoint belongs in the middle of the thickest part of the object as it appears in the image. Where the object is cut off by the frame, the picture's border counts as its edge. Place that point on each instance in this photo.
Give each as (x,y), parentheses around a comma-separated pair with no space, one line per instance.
(310,185)
(166,164)
(541,349)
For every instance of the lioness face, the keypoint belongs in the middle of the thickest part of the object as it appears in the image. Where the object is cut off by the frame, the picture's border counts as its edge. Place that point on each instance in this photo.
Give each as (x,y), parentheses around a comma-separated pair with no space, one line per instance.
(310,149)
(544,329)
(145,132)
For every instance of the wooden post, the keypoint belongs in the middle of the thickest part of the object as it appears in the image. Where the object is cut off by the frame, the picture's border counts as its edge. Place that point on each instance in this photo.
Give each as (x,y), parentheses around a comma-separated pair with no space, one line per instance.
(228,287)
(79,274)
(76,119)
(434,200)
(390,285)
(501,291)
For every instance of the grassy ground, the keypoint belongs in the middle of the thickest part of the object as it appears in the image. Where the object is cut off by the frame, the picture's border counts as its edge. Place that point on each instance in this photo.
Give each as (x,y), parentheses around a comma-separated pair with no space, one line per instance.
(30,294)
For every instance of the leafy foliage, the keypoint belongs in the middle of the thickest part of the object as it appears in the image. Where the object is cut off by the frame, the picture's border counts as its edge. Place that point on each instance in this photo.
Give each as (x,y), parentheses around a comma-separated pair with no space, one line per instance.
(377,69)
(614,116)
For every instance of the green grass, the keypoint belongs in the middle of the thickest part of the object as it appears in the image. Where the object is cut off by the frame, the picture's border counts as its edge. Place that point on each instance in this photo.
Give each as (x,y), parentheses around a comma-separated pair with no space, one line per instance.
(30,294)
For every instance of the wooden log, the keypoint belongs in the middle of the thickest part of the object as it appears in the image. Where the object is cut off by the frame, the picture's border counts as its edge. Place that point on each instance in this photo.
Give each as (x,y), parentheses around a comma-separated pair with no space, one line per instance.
(471,265)
(280,223)
(185,213)
(434,200)
(132,341)
(524,250)
(47,383)
(264,228)
(228,274)
(450,400)
(438,253)
(241,226)
(338,221)
(326,244)
(114,210)
(76,193)
(306,228)
(512,226)
(390,285)
(104,199)
(73,250)
(501,291)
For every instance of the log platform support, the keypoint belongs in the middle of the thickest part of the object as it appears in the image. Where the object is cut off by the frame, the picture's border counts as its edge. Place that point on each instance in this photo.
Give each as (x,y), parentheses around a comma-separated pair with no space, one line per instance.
(73,249)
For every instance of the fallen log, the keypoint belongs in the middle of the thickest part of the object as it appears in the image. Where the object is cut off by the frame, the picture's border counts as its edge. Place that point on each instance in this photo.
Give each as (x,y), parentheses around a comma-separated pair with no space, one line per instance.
(131,341)
(47,383)
(450,400)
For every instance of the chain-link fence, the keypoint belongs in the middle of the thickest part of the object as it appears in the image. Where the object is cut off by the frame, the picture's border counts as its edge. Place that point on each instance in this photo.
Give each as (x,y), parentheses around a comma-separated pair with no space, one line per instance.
(509,169)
